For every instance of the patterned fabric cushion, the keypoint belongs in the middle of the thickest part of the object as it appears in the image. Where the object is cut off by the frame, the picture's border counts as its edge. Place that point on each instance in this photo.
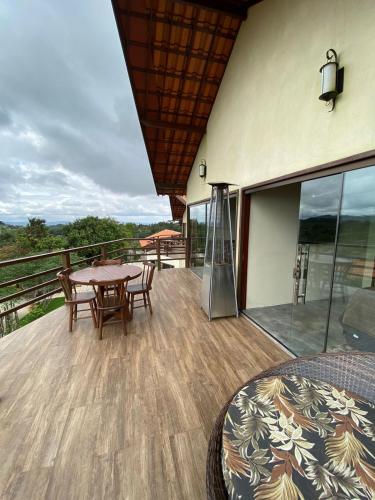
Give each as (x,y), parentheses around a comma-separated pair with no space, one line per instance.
(290,438)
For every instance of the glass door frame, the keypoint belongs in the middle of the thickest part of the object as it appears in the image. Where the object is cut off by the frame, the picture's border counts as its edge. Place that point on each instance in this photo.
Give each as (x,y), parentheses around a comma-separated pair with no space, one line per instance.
(340,166)
(334,261)
(301,269)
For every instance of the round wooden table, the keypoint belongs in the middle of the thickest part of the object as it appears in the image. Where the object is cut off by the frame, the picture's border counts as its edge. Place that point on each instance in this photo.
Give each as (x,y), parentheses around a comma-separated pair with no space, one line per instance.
(105,274)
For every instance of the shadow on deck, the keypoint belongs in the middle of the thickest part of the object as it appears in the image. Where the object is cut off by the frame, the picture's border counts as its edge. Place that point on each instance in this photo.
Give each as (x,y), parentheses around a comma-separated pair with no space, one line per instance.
(125,417)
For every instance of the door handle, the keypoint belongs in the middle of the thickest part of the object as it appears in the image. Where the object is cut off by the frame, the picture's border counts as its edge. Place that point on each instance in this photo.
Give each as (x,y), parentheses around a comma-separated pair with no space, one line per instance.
(297,273)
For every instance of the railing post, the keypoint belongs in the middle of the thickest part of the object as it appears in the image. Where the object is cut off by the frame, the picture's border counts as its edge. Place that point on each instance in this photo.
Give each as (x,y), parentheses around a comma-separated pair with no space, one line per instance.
(158,253)
(187,252)
(65,258)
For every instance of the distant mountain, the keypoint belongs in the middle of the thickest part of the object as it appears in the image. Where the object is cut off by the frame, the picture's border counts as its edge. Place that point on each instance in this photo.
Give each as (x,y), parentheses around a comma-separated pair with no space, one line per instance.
(9,226)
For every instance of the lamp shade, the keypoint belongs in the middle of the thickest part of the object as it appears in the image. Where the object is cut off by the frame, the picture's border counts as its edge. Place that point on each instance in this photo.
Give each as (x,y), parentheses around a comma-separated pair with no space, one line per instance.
(202,169)
(329,81)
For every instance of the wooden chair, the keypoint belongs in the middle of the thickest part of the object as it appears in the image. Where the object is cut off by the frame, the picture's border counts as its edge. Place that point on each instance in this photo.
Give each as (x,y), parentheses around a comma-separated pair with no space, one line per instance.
(107,262)
(73,299)
(143,288)
(109,303)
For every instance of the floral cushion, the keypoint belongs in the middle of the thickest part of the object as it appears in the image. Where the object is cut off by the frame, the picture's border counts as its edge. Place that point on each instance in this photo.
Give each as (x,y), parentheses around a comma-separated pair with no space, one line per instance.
(288,437)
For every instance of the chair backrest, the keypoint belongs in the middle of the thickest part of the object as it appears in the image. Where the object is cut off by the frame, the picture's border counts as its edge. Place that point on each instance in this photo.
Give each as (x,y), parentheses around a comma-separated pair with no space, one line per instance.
(107,262)
(66,285)
(103,290)
(148,274)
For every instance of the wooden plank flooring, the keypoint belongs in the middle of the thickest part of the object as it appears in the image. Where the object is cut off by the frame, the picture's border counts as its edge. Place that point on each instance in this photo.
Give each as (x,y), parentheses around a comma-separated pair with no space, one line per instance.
(125,417)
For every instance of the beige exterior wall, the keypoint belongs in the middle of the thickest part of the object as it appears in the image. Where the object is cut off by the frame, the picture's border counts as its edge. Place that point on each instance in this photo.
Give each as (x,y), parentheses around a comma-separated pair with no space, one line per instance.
(267,120)
(272,246)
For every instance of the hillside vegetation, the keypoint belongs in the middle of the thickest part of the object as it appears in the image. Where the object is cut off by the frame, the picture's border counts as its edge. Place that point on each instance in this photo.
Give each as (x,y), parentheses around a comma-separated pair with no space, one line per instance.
(37,237)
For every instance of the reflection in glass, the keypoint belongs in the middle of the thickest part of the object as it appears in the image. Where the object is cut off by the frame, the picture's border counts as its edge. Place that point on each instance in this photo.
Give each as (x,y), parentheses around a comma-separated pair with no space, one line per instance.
(198,230)
(319,206)
(333,303)
(352,316)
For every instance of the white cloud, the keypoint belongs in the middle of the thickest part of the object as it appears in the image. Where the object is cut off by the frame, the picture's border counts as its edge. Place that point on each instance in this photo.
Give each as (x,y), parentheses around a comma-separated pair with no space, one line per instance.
(55,193)
(70,140)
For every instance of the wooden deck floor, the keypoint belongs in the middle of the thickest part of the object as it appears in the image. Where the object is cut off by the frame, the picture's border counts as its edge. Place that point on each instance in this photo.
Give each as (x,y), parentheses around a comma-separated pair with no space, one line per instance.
(125,417)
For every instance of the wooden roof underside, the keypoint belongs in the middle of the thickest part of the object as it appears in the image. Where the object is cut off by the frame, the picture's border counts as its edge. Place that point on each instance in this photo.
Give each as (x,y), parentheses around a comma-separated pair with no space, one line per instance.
(177,207)
(176,54)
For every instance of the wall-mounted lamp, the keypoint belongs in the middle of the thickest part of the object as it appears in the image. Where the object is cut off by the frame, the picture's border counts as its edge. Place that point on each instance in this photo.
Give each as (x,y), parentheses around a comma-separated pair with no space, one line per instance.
(332,79)
(202,169)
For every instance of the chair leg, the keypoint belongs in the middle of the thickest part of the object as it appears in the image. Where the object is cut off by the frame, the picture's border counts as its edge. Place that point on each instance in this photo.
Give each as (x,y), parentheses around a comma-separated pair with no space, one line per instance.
(123,316)
(132,304)
(71,306)
(75,312)
(100,325)
(144,300)
(149,301)
(93,315)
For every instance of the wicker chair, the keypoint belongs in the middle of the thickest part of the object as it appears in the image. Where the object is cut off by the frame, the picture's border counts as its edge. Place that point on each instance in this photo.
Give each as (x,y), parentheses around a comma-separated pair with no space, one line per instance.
(352,371)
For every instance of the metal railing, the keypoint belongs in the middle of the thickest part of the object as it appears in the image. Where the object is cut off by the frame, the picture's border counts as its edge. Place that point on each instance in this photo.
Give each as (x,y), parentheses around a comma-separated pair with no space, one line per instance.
(35,284)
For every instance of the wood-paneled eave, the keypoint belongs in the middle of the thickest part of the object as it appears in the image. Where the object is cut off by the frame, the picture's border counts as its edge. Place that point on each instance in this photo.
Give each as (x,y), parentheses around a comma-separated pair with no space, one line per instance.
(176,53)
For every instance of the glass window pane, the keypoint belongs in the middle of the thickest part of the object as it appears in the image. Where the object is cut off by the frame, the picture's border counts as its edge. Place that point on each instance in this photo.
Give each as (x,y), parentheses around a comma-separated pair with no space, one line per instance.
(198,228)
(352,316)
(319,207)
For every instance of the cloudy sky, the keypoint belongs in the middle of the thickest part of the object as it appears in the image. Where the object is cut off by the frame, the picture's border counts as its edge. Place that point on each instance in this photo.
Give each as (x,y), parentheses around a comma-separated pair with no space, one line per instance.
(321,197)
(70,141)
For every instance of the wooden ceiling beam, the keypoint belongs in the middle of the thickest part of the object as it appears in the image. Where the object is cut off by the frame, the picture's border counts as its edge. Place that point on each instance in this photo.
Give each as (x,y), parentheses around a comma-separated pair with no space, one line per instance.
(202,56)
(153,17)
(166,164)
(189,116)
(172,153)
(226,7)
(172,125)
(172,74)
(169,141)
(176,95)
(170,186)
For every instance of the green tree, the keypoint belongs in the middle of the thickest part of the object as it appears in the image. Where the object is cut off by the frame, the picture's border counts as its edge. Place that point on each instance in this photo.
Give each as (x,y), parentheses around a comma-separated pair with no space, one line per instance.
(91,230)
(29,237)
(36,237)
(7,235)
(36,229)
(50,243)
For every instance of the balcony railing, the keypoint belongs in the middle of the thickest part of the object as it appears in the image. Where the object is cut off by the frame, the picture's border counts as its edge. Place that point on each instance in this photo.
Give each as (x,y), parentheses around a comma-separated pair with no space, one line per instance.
(33,285)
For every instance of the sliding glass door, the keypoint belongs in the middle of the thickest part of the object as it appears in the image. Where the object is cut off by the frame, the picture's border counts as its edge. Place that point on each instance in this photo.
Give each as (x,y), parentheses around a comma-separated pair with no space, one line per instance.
(315,255)
(311,270)
(352,314)
(334,277)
